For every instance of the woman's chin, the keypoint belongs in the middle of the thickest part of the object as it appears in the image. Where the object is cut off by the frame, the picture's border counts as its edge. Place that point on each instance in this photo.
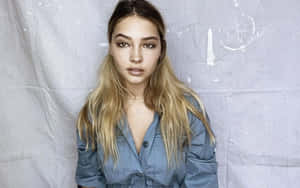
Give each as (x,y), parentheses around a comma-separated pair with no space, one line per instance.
(136,82)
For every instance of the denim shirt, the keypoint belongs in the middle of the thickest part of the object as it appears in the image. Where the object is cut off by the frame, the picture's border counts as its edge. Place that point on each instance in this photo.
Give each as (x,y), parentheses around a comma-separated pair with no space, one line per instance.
(148,168)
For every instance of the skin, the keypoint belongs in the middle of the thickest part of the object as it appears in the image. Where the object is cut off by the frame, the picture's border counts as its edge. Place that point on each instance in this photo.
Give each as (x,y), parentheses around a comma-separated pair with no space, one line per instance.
(128,50)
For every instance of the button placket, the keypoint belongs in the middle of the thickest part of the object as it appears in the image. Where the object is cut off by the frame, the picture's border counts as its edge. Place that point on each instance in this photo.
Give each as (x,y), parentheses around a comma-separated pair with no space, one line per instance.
(148,182)
(136,178)
(145,144)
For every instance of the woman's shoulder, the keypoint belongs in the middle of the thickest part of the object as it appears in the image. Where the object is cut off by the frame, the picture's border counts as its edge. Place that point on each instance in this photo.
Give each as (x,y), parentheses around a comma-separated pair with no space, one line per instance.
(193,101)
(192,117)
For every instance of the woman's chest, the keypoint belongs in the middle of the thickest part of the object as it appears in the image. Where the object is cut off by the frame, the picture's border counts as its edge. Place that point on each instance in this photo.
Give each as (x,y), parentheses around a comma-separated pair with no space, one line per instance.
(138,124)
(151,163)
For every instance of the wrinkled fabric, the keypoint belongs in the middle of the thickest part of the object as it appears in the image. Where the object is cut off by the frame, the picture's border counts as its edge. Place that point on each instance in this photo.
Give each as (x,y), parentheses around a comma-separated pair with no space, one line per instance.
(148,168)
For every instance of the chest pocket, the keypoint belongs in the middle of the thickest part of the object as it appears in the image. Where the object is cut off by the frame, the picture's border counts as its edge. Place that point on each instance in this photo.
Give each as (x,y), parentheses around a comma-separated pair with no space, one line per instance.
(158,142)
(159,165)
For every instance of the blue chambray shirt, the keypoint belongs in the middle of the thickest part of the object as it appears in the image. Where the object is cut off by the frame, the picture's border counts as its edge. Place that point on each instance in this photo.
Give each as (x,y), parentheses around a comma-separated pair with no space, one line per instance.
(148,168)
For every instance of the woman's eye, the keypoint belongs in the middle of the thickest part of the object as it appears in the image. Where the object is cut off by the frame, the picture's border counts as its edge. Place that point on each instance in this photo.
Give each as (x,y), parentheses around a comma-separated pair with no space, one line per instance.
(150,46)
(121,44)
(124,44)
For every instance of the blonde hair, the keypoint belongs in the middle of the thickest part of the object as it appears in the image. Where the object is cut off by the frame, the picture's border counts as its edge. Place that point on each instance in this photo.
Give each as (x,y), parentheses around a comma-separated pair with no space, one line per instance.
(164,93)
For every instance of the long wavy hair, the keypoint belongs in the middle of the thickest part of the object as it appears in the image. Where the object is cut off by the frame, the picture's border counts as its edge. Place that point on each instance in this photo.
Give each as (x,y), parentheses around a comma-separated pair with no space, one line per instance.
(164,93)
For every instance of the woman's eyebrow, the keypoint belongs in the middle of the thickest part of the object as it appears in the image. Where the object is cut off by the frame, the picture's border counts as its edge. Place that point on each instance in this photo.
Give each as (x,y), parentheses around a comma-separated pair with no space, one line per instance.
(144,38)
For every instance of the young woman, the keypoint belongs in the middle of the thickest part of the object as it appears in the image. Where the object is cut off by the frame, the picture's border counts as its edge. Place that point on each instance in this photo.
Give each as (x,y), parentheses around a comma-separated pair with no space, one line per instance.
(141,126)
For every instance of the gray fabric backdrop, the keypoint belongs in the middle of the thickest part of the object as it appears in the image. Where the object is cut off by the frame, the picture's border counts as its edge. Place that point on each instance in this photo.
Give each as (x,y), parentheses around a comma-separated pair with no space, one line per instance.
(242,57)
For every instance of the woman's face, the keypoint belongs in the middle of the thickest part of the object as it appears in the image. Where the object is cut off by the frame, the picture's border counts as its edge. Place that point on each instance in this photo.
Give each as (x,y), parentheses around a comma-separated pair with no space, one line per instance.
(135,45)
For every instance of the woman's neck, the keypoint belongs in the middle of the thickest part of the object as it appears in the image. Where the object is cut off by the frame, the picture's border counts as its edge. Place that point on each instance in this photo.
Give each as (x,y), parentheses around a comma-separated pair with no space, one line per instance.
(133,103)
(137,92)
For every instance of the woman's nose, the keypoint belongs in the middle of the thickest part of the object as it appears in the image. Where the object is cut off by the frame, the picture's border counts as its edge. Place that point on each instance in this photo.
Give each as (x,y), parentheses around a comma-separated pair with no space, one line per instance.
(136,55)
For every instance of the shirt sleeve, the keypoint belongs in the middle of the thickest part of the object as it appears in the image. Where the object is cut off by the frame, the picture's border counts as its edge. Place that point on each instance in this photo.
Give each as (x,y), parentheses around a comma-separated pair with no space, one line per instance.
(201,164)
(88,171)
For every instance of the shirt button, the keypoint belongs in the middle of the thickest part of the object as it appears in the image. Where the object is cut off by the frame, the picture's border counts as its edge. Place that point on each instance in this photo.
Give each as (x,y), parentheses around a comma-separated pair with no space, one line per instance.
(145,144)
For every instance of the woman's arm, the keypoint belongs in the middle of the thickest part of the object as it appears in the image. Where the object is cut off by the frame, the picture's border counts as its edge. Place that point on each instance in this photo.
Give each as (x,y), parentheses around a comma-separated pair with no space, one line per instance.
(201,164)
(88,171)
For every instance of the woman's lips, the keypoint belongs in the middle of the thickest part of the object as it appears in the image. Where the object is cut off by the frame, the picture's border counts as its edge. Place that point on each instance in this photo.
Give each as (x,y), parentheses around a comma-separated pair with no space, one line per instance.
(135,71)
